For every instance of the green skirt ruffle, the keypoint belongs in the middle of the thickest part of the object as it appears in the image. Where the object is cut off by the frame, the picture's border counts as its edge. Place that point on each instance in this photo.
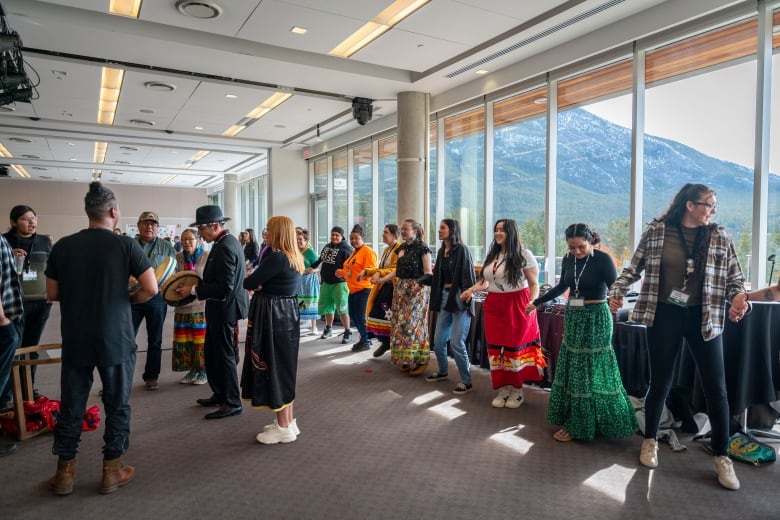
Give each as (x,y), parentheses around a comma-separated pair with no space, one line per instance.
(587,396)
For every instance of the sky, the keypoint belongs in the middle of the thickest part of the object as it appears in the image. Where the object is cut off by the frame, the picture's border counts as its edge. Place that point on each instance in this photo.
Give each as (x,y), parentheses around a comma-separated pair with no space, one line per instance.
(713,113)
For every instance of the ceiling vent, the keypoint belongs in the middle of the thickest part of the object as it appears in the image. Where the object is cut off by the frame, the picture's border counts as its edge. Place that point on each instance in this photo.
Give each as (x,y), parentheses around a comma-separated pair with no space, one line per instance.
(142,122)
(198,9)
(159,86)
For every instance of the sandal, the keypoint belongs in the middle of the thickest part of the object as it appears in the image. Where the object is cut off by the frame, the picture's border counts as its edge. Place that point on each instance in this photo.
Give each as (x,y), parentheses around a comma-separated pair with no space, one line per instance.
(562,436)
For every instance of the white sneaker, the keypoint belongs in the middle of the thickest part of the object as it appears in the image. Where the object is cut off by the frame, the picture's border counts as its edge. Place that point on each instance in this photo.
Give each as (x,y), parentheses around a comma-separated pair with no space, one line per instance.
(189,378)
(515,398)
(500,400)
(725,470)
(293,426)
(648,455)
(276,434)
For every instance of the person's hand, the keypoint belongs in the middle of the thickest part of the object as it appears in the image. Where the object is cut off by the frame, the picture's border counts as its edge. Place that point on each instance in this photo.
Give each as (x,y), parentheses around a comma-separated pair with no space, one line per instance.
(183,290)
(465,296)
(19,252)
(376,278)
(739,307)
(309,271)
(615,304)
(361,275)
(340,273)
(530,308)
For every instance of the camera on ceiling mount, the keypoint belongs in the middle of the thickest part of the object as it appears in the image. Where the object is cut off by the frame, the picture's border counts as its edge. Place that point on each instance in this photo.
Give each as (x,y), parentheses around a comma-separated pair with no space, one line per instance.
(15,85)
(362,110)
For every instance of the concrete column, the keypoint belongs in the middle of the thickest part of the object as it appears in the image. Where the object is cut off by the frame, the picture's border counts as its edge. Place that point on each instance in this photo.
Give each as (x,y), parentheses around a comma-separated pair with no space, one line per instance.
(232,205)
(413,156)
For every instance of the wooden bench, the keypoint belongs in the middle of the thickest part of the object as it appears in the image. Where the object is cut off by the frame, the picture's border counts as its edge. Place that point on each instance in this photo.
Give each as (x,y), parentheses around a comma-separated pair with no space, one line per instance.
(21,378)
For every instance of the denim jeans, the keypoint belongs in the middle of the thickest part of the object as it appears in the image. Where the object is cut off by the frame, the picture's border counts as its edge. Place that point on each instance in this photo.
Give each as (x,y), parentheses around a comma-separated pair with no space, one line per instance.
(10,340)
(75,384)
(35,315)
(154,311)
(357,312)
(452,327)
(664,342)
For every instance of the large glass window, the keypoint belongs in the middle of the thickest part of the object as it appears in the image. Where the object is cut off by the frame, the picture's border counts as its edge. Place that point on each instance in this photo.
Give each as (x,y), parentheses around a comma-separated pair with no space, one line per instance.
(321,176)
(700,125)
(464,187)
(361,178)
(388,181)
(520,164)
(773,216)
(433,224)
(340,205)
(594,156)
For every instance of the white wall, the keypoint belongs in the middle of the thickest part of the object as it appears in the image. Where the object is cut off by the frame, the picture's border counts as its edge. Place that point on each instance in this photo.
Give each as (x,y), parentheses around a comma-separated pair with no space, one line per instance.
(288,186)
(60,205)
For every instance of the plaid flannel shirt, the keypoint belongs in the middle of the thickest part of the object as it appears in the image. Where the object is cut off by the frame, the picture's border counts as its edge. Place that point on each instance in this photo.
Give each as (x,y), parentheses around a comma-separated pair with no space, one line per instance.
(723,278)
(10,285)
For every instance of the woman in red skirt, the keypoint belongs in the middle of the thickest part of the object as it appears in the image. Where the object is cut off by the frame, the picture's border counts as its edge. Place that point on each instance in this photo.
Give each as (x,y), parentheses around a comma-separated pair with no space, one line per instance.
(510,274)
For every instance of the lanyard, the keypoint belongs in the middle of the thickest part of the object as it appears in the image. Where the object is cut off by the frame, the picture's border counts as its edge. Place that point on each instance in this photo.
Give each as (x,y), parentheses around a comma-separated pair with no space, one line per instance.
(577,277)
(688,258)
(497,264)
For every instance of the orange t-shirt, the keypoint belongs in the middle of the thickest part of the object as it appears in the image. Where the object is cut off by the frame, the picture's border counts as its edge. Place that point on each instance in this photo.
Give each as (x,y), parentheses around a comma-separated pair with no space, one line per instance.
(360,259)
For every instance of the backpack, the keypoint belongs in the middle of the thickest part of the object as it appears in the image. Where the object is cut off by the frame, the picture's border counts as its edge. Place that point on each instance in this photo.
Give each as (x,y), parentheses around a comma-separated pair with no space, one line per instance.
(746,448)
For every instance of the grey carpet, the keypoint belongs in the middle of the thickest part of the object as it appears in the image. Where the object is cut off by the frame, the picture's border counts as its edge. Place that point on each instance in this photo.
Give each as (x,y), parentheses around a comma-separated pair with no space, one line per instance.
(375,443)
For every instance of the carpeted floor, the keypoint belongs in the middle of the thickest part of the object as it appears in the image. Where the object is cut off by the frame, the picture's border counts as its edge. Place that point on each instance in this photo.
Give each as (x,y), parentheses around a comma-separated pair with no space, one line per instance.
(375,444)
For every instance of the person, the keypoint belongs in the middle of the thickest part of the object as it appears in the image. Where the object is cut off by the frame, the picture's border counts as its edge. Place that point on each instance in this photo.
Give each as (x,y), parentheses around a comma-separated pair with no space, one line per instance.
(767,294)
(510,274)
(155,309)
(118,231)
(333,292)
(309,291)
(409,347)
(452,274)
(587,396)
(251,247)
(189,320)
(362,257)
(690,270)
(177,245)
(26,242)
(88,274)
(273,333)
(380,301)
(226,303)
(11,322)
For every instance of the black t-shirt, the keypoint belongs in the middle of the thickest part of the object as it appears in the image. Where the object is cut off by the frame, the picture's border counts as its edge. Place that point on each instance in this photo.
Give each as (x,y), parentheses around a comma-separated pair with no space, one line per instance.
(92,269)
(595,277)
(410,259)
(275,275)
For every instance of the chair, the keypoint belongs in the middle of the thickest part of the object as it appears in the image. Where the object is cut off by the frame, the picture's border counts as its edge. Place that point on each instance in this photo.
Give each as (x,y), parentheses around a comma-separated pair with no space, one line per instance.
(21,378)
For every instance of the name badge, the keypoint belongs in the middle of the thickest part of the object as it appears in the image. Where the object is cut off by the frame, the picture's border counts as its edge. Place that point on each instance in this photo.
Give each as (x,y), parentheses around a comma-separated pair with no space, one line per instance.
(29,276)
(576,302)
(679,297)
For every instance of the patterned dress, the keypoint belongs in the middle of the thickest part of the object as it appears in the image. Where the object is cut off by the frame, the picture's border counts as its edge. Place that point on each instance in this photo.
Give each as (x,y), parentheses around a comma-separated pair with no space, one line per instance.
(409,324)
(380,301)
(189,321)
(309,292)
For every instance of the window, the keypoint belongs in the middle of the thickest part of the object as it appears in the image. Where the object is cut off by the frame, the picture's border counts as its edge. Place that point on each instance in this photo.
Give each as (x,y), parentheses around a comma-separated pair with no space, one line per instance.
(388,181)
(433,224)
(773,215)
(321,176)
(362,192)
(340,208)
(464,187)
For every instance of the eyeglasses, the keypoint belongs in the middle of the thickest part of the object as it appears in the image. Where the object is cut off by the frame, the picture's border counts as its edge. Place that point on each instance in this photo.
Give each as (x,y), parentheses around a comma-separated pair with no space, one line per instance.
(204,226)
(189,239)
(28,219)
(709,205)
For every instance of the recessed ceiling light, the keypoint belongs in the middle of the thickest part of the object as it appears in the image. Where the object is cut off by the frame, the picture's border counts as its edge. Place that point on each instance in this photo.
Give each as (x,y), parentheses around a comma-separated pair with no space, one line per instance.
(142,122)
(72,158)
(71,144)
(129,148)
(160,86)
(198,128)
(481,72)
(298,30)
(540,101)
(19,140)
(199,9)
(59,74)
(146,111)
(231,96)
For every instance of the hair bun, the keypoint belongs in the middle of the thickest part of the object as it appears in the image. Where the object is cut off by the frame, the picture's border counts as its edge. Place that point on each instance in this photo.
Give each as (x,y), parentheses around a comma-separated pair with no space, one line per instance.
(357,228)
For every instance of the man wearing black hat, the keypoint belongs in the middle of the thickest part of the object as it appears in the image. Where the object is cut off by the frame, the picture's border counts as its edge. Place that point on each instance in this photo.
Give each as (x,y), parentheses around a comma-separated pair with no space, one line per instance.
(334,291)
(226,303)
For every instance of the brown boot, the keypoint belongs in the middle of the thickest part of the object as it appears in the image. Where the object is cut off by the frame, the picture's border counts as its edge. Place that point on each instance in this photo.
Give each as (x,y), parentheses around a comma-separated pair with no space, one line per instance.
(115,474)
(62,481)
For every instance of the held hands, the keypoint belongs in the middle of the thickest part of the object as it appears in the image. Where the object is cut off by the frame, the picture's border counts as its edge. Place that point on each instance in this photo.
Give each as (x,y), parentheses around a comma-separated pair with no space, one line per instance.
(465,296)
(309,271)
(530,308)
(376,278)
(739,307)
(615,304)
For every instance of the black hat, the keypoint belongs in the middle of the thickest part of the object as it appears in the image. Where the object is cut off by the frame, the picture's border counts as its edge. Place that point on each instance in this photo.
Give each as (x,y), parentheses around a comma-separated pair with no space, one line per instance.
(339,230)
(208,215)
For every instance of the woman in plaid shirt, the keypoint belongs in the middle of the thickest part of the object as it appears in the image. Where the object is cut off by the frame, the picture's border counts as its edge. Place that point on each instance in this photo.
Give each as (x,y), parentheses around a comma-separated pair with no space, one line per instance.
(691,271)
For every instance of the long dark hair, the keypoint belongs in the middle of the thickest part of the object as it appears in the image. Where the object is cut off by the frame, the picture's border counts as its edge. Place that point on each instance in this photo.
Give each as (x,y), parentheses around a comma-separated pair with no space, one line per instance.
(515,261)
(250,235)
(676,211)
(454,228)
(18,211)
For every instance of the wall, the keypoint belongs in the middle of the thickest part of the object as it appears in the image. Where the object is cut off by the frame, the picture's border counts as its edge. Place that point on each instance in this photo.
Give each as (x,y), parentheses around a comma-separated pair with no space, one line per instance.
(288,186)
(60,205)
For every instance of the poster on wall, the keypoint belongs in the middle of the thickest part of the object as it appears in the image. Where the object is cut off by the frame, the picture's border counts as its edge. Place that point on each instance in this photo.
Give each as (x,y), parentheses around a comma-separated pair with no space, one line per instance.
(162,231)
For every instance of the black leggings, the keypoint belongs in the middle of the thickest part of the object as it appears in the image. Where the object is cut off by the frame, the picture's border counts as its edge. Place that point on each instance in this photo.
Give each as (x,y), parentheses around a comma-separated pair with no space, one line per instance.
(671,324)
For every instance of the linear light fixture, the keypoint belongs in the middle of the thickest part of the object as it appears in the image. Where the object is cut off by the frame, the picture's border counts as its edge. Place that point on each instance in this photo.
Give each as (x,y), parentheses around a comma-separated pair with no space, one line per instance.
(18,168)
(110,87)
(4,151)
(195,158)
(129,8)
(99,156)
(381,23)
(276,99)
(168,179)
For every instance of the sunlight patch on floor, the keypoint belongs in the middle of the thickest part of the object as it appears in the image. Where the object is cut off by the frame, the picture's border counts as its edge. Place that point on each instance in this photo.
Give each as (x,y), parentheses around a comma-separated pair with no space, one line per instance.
(612,481)
(427,398)
(510,439)
(447,409)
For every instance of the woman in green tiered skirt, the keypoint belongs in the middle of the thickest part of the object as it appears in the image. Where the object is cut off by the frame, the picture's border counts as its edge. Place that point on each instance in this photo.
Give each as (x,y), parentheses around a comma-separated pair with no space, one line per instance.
(587,397)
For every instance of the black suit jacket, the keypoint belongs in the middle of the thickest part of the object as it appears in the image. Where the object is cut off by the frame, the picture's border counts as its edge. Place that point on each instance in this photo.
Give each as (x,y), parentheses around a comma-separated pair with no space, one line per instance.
(223,282)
